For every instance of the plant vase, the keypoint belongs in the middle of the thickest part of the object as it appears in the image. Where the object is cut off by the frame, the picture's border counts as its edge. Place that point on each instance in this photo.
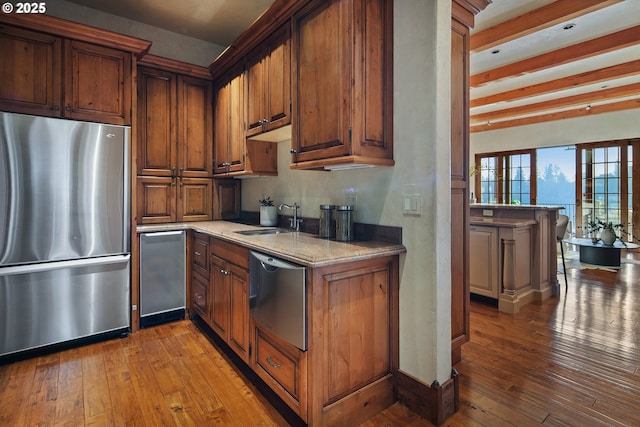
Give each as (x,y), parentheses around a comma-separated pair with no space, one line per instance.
(268,216)
(608,236)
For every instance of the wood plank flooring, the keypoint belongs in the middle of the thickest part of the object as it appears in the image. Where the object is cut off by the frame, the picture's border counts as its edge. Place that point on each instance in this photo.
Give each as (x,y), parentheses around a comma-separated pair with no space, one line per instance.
(571,361)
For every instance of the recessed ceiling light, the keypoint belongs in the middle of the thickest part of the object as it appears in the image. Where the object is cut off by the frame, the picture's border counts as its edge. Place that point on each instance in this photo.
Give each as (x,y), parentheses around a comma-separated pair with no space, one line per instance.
(568,26)
(495,51)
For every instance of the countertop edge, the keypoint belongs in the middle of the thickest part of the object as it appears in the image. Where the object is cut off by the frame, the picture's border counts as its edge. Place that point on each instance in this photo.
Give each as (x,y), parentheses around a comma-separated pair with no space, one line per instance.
(273,245)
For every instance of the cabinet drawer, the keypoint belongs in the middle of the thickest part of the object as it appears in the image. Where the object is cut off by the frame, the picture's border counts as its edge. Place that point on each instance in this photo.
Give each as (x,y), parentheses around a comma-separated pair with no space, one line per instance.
(199,296)
(282,366)
(200,254)
(235,254)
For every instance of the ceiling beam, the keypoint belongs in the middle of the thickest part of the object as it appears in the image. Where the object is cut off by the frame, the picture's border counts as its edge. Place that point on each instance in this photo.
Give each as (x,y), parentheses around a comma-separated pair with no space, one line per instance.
(562,115)
(545,17)
(588,49)
(582,99)
(589,77)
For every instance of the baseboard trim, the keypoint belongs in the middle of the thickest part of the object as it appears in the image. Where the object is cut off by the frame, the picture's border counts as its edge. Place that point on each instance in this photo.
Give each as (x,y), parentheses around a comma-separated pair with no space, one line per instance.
(436,402)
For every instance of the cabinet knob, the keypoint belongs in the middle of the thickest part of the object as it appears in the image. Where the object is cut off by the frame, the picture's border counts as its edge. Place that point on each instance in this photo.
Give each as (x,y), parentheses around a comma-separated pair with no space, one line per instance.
(56,108)
(292,151)
(68,107)
(197,253)
(198,296)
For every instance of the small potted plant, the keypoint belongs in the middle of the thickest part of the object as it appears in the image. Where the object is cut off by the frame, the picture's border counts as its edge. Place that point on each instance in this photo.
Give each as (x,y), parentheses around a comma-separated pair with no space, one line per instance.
(268,212)
(607,230)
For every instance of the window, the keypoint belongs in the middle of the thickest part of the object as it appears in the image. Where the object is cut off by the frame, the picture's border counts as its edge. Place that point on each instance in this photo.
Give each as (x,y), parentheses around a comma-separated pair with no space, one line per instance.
(605,180)
(506,177)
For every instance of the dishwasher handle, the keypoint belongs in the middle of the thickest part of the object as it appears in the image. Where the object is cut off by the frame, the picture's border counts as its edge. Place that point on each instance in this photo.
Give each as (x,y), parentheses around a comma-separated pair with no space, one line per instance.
(271,264)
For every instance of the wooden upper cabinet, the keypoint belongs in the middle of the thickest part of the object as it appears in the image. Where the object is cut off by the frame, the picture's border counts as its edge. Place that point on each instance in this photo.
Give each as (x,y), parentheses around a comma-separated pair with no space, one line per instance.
(175,136)
(269,84)
(342,107)
(157,151)
(175,142)
(97,83)
(37,88)
(229,124)
(195,133)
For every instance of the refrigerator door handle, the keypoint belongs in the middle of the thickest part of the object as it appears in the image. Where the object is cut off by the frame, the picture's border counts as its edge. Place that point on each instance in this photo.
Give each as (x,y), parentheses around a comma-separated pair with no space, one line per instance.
(48,266)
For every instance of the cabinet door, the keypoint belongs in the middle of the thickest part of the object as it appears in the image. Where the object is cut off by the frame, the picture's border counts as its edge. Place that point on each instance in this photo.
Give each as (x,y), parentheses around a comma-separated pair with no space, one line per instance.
(156,199)
(358,304)
(221,132)
(237,125)
(194,201)
(157,111)
(321,70)
(278,96)
(200,296)
(195,134)
(484,264)
(239,328)
(97,83)
(256,90)
(229,124)
(220,288)
(37,87)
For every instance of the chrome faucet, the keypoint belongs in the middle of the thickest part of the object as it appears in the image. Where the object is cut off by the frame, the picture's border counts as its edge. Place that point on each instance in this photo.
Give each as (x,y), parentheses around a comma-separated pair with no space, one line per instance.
(293,222)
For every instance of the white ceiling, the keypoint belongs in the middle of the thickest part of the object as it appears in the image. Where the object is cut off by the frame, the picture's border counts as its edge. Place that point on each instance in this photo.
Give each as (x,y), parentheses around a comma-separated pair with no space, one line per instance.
(607,20)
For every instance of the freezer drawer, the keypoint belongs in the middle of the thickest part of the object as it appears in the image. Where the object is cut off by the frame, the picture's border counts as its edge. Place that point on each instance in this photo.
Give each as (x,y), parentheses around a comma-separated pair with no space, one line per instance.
(50,303)
(162,276)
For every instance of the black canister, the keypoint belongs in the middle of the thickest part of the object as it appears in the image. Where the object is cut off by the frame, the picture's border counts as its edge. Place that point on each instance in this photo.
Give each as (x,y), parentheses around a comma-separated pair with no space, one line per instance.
(327,221)
(344,223)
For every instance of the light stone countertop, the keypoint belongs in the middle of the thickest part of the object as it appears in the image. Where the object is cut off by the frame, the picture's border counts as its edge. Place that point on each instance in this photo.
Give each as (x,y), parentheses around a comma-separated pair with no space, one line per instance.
(501,222)
(301,248)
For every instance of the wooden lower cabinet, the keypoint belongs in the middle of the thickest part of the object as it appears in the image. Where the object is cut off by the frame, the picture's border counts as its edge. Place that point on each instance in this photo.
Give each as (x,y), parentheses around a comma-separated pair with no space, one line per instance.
(229,289)
(346,375)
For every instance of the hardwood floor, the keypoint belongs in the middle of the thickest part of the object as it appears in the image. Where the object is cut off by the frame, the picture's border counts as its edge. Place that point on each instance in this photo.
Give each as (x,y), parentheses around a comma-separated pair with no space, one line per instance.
(571,361)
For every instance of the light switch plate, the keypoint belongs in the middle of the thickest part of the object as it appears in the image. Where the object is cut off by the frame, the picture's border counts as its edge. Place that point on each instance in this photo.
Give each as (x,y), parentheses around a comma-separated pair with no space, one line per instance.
(412,204)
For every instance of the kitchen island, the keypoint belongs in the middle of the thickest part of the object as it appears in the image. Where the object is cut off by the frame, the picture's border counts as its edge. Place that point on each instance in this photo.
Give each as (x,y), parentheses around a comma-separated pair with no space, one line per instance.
(513,253)
(348,371)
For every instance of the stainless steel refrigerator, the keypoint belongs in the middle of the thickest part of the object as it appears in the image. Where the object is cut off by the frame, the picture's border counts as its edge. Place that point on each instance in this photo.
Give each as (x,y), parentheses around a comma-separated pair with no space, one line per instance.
(64,231)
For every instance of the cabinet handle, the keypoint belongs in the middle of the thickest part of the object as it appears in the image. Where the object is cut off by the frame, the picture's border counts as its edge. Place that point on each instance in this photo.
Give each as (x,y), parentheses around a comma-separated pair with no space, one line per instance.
(198,296)
(224,272)
(181,183)
(68,107)
(274,364)
(173,182)
(292,151)
(181,170)
(173,171)
(198,253)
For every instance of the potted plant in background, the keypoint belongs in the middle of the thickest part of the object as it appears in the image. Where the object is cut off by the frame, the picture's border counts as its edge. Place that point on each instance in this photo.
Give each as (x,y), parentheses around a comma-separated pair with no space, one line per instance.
(607,230)
(268,212)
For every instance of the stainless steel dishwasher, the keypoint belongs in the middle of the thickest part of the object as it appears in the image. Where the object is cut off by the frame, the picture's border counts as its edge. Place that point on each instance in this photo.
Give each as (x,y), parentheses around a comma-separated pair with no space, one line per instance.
(162,277)
(278,297)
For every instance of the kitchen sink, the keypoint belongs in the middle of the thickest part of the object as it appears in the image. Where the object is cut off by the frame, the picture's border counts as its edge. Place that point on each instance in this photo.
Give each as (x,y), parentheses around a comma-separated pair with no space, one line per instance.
(259,232)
